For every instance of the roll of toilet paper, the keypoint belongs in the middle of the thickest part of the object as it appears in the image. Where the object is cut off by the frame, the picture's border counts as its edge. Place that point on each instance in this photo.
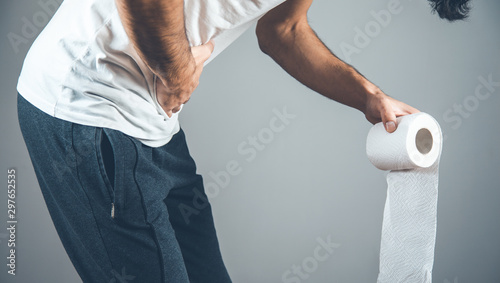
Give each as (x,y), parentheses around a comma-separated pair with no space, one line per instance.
(412,154)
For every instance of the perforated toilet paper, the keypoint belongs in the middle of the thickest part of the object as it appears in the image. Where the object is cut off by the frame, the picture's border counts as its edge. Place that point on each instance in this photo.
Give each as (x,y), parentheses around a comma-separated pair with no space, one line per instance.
(412,154)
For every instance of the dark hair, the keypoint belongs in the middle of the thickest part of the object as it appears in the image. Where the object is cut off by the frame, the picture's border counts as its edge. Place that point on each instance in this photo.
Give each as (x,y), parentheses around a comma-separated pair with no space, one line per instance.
(451,10)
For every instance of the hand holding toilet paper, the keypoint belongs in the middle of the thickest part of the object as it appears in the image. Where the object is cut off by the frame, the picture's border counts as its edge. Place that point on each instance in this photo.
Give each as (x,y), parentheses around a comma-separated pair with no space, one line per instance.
(412,154)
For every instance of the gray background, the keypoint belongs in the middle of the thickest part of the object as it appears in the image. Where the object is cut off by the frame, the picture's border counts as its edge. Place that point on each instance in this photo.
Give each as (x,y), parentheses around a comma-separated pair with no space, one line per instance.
(313,180)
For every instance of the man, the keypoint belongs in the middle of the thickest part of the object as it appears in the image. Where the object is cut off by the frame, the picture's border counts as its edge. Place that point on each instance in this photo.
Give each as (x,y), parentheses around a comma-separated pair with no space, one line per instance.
(100,92)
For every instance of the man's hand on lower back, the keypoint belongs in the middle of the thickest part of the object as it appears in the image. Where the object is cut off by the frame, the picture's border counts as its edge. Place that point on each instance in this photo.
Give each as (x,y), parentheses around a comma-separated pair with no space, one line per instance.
(172,97)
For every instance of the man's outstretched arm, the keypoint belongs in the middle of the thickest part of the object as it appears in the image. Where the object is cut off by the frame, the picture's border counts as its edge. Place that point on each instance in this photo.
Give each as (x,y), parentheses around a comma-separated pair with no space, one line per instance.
(156,29)
(285,35)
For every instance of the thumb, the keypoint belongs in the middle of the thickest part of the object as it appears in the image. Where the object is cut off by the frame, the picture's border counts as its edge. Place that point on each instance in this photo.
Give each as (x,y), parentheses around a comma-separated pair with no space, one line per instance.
(211,45)
(203,51)
(389,120)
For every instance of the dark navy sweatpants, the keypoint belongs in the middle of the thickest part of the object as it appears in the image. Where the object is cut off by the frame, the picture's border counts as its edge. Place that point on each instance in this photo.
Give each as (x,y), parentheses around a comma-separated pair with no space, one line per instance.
(125,212)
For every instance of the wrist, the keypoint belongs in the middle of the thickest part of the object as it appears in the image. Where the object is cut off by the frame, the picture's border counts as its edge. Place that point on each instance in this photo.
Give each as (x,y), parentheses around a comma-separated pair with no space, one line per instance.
(373,96)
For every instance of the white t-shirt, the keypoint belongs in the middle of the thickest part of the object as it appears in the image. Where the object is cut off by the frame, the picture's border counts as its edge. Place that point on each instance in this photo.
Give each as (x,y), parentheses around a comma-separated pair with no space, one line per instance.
(82,67)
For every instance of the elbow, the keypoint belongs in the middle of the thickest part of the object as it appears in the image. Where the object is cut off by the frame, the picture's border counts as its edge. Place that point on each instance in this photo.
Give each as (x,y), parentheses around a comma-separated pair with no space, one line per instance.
(265,33)
(275,36)
(271,35)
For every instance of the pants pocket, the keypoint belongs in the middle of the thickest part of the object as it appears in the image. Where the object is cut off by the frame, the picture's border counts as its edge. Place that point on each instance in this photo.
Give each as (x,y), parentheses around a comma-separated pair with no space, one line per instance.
(105,155)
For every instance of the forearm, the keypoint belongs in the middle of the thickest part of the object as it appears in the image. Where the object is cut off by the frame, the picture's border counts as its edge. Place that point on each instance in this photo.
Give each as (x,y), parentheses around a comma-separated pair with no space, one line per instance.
(297,49)
(156,29)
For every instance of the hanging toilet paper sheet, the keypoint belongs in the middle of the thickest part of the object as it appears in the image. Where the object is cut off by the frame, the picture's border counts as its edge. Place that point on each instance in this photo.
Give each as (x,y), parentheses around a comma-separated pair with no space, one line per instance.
(412,155)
